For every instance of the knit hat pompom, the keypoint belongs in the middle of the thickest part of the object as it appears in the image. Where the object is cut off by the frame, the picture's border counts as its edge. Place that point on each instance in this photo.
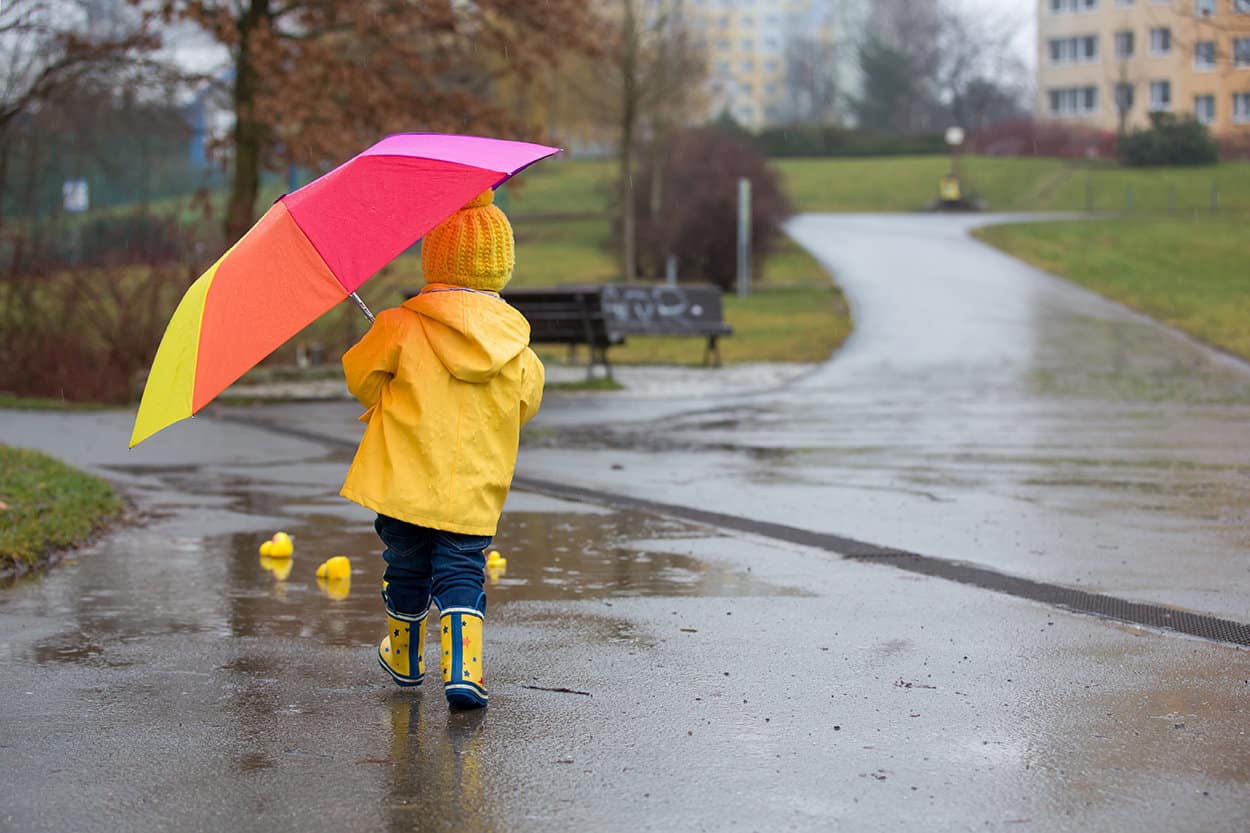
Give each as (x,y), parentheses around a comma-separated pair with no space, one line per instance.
(472,248)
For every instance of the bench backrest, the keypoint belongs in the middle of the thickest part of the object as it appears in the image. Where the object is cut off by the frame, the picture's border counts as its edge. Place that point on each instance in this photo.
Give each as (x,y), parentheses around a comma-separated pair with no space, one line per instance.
(603,314)
(663,310)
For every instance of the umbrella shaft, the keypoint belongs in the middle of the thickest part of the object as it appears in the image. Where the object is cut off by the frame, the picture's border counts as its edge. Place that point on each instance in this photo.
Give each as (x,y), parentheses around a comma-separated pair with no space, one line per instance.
(362,306)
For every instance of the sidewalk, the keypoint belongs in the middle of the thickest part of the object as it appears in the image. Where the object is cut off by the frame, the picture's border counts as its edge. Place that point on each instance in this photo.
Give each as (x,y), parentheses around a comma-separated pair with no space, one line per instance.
(637,381)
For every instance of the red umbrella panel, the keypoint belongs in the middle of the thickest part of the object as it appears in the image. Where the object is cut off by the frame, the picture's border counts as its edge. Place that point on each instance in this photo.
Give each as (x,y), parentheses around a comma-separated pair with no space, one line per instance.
(310,251)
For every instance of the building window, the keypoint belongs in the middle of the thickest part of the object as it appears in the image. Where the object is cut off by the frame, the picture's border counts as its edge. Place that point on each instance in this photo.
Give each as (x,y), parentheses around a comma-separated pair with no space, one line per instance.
(1124,2)
(1160,40)
(1204,8)
(1204,108)
(1073,50)
(1073,101)
(1241,108)
(1068,6)
(1124,44)
(1160,95)
(1241,52)
(1204,55)
(1123,97)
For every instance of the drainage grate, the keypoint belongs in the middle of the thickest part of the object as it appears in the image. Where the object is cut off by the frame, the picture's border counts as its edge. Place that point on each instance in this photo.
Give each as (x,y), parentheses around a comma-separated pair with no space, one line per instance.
(1199,625)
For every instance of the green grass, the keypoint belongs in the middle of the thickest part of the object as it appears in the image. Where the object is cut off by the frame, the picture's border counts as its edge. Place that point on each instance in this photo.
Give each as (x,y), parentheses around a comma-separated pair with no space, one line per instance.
(1005,184)
(1190,275)
(47,505)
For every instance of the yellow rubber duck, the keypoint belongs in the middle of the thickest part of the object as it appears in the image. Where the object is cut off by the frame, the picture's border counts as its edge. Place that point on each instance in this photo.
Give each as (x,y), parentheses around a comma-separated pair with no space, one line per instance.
(496,566)
(280,545)
(335,569)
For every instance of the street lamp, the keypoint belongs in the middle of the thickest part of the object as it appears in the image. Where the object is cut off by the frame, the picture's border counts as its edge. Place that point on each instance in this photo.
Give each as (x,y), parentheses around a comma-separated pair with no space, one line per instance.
(951,191)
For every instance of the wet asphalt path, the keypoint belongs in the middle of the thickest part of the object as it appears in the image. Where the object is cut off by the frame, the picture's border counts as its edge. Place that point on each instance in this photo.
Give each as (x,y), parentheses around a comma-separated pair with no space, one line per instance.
(166,679)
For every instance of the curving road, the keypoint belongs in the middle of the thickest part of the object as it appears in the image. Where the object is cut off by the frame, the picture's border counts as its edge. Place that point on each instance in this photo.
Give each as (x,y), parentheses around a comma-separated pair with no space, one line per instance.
(982,411)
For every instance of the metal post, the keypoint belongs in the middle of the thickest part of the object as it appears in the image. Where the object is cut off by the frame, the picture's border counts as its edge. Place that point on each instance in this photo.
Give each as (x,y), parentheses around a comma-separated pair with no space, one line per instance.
(1171,199)
(744,237)
(670,270)
(1128,198)
(1089,195)
(1215,196)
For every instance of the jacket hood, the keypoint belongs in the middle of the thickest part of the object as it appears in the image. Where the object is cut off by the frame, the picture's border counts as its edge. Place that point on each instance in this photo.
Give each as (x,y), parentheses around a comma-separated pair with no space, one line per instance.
(474,334)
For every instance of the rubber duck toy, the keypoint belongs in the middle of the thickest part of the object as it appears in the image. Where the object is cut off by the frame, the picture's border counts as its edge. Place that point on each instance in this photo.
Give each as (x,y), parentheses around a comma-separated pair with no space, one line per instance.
(334,577)
(496,566)
(280,545)
(337,568)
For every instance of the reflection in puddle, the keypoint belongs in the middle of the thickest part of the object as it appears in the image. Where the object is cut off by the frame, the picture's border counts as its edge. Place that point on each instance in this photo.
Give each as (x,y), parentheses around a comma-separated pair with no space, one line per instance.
(550,556)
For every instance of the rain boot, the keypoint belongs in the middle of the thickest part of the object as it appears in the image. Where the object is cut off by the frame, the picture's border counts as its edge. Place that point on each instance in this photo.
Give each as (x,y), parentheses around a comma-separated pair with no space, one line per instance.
(402,650)
(463,683)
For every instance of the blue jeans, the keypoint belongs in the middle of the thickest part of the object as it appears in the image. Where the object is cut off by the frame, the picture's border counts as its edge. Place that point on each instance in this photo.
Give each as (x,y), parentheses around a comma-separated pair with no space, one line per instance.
(421,562)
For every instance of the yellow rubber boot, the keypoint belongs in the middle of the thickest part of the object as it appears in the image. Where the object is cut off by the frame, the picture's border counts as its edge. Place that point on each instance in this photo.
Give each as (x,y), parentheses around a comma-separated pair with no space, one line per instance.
(463,681)
(401,651)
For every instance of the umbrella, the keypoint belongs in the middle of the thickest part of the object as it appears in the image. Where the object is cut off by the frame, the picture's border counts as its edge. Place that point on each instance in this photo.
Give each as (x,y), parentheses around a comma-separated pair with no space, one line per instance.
(312,249)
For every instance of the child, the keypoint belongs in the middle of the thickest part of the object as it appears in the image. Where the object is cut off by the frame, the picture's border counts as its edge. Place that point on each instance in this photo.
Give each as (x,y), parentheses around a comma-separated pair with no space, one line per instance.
(448,379)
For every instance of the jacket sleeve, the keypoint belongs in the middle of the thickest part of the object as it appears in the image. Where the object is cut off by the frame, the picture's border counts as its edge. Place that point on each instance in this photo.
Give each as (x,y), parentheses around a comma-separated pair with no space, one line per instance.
(370,364)
(532,377)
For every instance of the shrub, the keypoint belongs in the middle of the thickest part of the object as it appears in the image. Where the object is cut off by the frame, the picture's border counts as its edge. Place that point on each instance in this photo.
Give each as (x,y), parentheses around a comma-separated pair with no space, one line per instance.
(832,141)
(1169,141)
(694,216)
(1026,137)
(81,329)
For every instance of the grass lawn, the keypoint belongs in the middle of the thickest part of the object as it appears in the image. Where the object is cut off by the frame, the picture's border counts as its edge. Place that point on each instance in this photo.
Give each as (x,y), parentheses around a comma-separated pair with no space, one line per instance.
(1191,275)
(909,183)
(46,505)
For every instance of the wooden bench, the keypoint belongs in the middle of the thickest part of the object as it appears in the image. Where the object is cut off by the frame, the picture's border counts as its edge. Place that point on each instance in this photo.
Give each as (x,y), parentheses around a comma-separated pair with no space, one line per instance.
(603,315)
(568,315)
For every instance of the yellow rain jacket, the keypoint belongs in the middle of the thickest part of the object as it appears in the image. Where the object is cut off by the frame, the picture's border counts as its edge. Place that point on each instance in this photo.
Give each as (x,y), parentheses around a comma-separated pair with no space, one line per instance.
(448,380)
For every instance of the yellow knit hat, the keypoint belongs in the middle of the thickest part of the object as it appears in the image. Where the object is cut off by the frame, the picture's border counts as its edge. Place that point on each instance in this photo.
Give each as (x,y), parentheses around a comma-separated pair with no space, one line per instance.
(471,248)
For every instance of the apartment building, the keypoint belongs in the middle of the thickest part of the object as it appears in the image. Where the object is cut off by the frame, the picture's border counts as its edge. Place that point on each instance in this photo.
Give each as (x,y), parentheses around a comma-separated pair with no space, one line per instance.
(1108,63)
(778,61)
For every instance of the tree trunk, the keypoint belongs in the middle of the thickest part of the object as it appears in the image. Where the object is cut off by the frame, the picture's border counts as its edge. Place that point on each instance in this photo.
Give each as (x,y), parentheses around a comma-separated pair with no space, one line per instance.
(248,132)
(629,118)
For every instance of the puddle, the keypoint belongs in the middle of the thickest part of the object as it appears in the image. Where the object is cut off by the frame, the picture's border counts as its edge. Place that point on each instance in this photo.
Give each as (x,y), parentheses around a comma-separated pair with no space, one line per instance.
(551,556)
(138,585)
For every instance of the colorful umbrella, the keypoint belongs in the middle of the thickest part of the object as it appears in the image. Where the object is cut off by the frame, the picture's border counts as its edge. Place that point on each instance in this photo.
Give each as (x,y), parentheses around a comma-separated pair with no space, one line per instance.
(310,251)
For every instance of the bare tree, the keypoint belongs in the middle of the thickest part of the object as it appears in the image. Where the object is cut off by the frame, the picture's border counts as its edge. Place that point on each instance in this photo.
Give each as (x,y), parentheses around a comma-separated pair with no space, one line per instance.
(654,86)
(980,75)
(315,80)
(52,52)
(955,63)
(813,91)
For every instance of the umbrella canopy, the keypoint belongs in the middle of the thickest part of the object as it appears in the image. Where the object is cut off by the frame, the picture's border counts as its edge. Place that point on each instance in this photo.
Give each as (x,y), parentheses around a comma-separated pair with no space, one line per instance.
(310,251)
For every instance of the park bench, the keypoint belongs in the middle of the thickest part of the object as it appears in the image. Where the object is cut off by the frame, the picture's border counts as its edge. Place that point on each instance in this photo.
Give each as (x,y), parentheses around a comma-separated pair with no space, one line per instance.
(603,315)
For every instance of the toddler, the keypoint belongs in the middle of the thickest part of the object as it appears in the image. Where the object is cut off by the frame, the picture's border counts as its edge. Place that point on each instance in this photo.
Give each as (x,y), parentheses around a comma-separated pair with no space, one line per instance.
(447,379)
